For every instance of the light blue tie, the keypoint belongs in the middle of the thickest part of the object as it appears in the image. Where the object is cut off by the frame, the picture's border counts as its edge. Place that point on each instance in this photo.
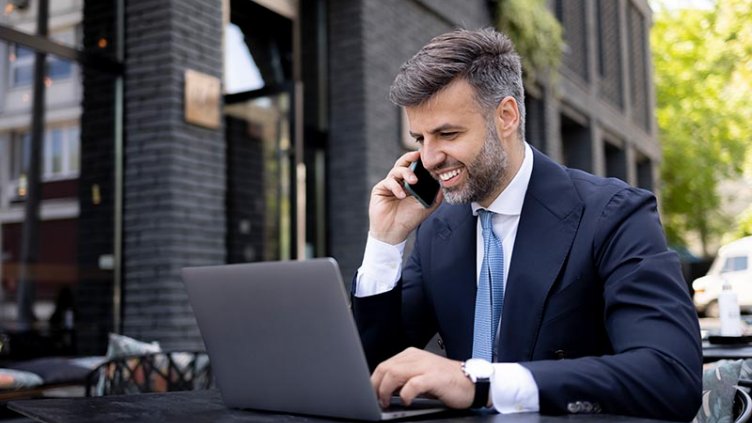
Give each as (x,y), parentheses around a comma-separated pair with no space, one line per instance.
(490,296)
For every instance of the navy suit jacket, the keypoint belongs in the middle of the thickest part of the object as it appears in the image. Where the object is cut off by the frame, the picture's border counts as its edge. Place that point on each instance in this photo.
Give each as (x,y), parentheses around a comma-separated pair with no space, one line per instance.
(595,305)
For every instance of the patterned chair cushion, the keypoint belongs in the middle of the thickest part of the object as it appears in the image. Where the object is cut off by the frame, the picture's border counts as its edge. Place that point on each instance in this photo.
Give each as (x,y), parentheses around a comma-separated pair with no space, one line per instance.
(18,379)
(54,370)
(719,382)
(121,346)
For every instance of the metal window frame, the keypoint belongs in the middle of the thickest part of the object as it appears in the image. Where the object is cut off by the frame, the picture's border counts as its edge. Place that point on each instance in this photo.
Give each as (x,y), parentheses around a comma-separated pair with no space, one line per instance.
(41,43)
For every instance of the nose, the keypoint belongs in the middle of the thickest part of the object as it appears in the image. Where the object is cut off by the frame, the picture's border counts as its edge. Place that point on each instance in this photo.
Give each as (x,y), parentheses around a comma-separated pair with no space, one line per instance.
(431,154)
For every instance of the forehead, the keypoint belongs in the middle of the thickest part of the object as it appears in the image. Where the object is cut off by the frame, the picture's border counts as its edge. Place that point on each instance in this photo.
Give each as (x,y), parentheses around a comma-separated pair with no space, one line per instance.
(454,105)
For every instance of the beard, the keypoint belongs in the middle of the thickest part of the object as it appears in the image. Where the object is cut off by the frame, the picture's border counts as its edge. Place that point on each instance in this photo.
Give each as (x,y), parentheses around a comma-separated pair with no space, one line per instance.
(484,174)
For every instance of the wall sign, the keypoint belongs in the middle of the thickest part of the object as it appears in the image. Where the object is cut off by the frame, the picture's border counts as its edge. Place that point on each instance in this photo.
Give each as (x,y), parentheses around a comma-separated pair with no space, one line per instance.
(202,99)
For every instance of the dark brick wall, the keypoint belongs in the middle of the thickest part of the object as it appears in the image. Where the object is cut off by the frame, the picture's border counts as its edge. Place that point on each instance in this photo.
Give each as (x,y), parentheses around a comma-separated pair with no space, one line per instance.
(94,292)
(368,41)
(174,172)
(347,183)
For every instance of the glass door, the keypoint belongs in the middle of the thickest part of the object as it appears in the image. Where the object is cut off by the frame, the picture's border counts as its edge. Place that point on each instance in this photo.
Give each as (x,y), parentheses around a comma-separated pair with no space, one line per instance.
(261,182)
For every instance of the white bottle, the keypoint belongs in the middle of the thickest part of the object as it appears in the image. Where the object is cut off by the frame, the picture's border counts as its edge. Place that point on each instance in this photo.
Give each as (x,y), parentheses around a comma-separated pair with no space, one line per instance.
(728,306)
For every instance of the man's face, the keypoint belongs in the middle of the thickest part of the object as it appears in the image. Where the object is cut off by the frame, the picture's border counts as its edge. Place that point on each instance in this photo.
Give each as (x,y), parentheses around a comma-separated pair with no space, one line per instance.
(459,145)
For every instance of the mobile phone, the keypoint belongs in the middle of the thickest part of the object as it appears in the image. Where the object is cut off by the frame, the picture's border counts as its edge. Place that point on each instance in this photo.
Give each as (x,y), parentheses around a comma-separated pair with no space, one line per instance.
(426,188)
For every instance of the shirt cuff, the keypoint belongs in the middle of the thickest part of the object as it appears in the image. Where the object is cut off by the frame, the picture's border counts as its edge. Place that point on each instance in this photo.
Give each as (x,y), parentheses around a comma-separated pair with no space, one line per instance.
(381,268)
(513,389)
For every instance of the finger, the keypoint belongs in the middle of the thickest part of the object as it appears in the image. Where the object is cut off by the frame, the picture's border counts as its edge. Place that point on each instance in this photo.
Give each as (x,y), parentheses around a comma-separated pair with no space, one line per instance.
(376,377)
(394,187)
(403,174)
(415,386)
(384,379)
(407,158)
(377,381)
(391,382)
(389,186)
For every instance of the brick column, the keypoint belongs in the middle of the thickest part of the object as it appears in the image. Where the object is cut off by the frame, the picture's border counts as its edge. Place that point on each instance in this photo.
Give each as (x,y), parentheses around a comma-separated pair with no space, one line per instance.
(96,186)
(174,203)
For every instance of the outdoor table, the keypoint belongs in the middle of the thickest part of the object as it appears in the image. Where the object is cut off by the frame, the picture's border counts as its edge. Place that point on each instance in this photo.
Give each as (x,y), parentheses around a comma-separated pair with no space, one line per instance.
(714,352)
(206,406)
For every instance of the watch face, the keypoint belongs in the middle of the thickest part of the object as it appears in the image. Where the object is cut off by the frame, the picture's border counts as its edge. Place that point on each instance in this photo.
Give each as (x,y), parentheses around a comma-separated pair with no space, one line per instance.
(477,368)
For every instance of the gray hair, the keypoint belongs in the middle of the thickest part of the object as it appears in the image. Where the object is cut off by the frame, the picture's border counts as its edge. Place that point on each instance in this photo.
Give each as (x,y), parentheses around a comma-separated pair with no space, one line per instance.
(485,58)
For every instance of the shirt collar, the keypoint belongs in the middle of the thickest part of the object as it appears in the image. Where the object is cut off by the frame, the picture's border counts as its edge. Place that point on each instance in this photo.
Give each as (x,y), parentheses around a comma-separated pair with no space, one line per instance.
(509,202)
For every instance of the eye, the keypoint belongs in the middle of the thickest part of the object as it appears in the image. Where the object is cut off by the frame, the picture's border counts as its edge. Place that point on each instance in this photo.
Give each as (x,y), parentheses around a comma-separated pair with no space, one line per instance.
(448,135)
(419,140)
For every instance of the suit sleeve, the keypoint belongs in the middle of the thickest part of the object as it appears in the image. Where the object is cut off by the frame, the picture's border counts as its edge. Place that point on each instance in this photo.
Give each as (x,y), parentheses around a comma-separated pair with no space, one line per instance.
(390,322)
(656,365)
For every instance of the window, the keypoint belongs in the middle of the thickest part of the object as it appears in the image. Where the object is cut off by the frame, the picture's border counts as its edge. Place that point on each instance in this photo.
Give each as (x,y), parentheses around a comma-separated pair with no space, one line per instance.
(61,146)
(22,66)
(58,68)
(22,62)
(54,156)
(20,154)
(241,72)
(61,157)
(735,264)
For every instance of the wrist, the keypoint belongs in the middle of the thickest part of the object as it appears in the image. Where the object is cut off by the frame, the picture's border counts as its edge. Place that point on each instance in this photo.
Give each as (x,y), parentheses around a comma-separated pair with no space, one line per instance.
(479,372)
(388,237)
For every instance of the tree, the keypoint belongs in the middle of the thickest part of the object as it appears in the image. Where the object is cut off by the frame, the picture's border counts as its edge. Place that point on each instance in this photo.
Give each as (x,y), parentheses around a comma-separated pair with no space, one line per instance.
(744,220)
(703,77)
(744,224)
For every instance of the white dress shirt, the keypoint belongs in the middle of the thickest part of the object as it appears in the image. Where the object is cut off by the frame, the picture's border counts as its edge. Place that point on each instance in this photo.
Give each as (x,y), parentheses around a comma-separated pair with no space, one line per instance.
(513,388)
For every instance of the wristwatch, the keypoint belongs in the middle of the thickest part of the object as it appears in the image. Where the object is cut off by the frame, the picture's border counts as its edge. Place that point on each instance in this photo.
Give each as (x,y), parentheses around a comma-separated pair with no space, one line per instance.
(479,371)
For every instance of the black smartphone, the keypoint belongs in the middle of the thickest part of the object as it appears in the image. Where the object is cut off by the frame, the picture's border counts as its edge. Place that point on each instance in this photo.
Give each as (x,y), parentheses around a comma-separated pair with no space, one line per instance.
(426,188)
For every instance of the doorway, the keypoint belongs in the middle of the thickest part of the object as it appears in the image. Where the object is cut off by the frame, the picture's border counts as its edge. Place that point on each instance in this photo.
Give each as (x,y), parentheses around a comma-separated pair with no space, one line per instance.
(260,175)
(263,147)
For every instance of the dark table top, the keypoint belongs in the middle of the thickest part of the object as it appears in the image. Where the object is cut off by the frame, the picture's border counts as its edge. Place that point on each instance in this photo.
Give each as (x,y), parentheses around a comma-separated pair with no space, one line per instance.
(207,406)
(712,352)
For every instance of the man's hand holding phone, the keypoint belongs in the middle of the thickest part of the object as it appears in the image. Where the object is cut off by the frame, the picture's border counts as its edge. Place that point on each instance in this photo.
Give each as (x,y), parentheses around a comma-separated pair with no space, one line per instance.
(394,212)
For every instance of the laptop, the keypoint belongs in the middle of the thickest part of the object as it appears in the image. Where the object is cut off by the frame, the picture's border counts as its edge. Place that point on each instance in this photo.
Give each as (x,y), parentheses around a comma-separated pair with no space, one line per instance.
(281,337)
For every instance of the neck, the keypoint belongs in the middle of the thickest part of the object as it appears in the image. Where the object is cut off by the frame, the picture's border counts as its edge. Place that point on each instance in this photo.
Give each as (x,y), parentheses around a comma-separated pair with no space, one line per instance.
(515,155)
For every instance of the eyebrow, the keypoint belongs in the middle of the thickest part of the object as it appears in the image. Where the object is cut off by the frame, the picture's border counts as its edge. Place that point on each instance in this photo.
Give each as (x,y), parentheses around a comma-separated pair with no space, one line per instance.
(441,128)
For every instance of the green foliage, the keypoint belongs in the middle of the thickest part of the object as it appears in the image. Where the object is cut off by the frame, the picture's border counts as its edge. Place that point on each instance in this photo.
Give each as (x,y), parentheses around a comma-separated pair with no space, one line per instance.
(744,220)
(536,34)
(744,224)
(703,76)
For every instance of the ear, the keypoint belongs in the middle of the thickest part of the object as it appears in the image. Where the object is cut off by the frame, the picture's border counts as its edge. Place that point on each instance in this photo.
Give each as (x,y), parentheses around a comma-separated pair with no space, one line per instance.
(507,117)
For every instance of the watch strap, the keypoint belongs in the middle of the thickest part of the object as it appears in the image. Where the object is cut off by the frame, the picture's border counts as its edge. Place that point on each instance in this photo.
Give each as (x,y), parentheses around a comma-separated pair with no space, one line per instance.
(482,386)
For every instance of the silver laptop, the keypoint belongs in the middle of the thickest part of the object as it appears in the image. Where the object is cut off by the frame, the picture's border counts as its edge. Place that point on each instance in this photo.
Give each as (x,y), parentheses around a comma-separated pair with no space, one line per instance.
(281,337)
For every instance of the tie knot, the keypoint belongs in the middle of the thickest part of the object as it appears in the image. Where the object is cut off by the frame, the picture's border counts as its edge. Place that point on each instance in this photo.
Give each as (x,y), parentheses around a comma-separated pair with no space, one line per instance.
(485,218)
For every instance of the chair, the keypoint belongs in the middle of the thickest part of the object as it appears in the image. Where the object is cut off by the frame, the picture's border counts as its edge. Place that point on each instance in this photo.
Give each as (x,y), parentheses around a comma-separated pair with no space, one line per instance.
(152,372)
(742,407)
(46,377)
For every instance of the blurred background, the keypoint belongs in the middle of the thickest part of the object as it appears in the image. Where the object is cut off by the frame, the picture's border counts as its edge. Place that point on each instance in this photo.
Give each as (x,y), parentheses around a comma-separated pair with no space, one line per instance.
(141,136)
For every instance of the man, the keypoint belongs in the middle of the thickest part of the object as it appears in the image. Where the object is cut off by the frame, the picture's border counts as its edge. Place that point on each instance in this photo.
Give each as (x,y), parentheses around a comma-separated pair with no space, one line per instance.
(564,283)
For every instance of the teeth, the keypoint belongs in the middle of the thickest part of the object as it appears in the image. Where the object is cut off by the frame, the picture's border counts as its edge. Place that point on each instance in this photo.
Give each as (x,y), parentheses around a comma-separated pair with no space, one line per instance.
(449,175)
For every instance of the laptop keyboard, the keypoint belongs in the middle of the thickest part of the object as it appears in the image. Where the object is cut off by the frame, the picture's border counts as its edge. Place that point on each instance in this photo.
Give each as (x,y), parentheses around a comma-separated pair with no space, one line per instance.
(420,403)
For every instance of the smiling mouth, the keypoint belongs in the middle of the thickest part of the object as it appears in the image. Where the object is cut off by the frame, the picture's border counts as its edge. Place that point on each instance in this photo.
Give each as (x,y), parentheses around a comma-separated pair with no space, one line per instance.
(447,176)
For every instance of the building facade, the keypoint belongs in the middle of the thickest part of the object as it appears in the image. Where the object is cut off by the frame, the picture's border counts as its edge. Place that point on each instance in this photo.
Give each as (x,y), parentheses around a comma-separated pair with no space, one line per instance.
(194,132)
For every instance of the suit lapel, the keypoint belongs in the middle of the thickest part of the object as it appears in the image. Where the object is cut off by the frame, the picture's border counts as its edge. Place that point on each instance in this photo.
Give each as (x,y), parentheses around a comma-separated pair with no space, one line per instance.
(550,217)
(453,270)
